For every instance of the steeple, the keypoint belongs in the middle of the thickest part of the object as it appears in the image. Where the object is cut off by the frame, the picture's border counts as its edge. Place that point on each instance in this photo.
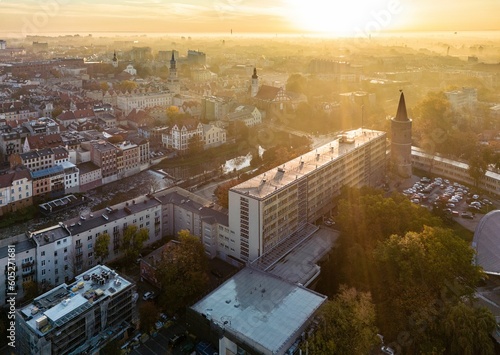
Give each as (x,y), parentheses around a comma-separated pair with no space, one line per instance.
(115,60)
(401,115)
(254,89)
(172,61)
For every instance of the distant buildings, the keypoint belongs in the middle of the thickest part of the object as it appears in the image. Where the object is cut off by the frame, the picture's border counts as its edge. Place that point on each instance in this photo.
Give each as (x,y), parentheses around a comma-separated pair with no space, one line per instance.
(465,98)
(78,318)
(127,102)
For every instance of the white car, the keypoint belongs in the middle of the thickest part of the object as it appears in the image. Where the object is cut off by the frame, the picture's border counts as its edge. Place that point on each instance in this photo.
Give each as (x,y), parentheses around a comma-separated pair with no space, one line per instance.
(148,296)
(387,350)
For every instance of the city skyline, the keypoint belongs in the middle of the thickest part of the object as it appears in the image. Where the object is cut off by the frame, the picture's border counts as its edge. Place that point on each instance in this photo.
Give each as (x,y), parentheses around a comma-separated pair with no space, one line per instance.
(246,16)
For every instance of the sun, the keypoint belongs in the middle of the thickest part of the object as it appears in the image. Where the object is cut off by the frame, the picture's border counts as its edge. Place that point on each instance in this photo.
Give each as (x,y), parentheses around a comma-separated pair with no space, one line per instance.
(342,18)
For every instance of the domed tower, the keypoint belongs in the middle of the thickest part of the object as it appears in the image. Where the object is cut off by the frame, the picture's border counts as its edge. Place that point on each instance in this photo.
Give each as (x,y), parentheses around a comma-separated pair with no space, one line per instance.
(115,61)
(173,80)
(255,83)
(401,140)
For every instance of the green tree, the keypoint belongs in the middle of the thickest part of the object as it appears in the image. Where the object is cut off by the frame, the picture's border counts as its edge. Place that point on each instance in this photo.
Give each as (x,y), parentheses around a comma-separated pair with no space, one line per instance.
(148,314)
(468,330)
(296,83)
(416,270)
(347,325)
(132,241)
(477,167)
(101,247)
(182,272)
(195,144)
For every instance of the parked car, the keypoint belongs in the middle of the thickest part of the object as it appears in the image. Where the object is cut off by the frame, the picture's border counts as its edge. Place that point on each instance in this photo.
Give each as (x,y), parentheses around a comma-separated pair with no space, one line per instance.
(148,296)
(176,339)
(159,325)
(387,350)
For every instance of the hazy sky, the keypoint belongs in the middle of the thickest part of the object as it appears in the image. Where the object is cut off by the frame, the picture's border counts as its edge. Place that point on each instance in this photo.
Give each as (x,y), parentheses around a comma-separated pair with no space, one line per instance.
(328,16)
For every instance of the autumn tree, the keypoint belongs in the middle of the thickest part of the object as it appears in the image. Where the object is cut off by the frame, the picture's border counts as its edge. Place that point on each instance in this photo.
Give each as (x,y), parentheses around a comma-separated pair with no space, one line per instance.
(101,247)
(182,272)
(125,85)
(222,192)
(148,314)
(132,241)
(347,325)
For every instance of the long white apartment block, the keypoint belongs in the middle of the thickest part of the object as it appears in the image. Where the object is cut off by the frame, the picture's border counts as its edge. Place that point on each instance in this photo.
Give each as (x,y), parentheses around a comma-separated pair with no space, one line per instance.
(275,205)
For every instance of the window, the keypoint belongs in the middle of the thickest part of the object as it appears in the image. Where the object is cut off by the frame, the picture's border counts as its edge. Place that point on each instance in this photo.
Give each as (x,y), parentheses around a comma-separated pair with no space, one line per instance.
(43,262)
(90,246)
(43,271)
(43,253)
(89,237)
(55,253)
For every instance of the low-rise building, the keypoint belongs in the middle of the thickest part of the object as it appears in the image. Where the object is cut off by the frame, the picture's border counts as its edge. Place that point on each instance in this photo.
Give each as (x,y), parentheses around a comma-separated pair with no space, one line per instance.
(213,136)
(16,190)
(255,312)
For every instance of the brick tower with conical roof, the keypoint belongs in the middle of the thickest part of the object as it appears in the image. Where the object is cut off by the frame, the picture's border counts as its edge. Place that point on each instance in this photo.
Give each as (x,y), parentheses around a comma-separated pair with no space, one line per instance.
(401,127)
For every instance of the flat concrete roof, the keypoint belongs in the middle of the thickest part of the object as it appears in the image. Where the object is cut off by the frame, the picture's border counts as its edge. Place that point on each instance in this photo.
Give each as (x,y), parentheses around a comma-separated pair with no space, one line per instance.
(276,179)
(300,265)
(260,309)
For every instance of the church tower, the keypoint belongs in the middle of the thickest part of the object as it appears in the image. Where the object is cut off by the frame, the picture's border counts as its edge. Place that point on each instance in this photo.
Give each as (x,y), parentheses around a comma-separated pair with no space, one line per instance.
(401,140)
(115,61)
(255,83)
(173,81)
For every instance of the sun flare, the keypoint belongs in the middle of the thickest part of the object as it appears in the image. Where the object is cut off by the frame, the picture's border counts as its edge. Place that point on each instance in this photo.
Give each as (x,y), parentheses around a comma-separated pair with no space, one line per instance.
(339,17)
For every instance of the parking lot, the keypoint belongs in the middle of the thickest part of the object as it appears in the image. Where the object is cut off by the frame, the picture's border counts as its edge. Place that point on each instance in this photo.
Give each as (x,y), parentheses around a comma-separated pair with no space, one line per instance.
(457,201)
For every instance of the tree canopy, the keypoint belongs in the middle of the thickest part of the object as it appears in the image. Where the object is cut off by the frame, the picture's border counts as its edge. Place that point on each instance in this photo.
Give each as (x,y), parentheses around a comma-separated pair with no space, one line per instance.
(132,241)
(182,272)
(101,247)
(347,325)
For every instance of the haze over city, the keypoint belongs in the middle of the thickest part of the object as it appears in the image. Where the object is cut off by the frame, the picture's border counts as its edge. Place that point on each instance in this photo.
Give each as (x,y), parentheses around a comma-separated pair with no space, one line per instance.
(333,18)
(249,177)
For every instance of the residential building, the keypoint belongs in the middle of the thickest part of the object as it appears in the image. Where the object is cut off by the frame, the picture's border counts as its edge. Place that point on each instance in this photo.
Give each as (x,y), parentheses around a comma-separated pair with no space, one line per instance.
(90,176)
(53,255)
(280,203)
(181,133)
(213,136)
(127,159)
(68,117)
(40,159)
(214,108)
(249,115)
(71,177)
(401,141)
(255,313)
(143,145)
(104,155)
(196,57)
(465,98)
(48,182)
(143,212)
(183,210)
(42,141)
(16,190)
(25,264)
(11,143)
(81,317)
(17,110)
(128,102)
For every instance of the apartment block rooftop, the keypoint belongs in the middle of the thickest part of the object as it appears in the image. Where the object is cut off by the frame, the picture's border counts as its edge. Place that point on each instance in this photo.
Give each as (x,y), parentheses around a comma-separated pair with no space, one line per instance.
(65,302)
(109,214)
(274,180)
(48,235)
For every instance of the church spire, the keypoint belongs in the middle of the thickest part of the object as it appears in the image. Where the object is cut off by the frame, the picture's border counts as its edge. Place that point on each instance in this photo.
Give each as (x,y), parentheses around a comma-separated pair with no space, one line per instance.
(401,115)
(254,76)
(172,61)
